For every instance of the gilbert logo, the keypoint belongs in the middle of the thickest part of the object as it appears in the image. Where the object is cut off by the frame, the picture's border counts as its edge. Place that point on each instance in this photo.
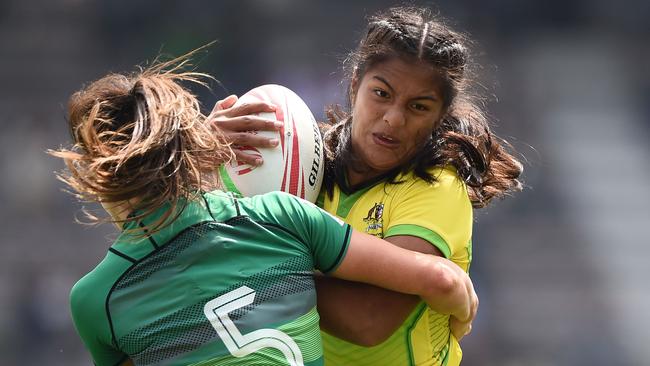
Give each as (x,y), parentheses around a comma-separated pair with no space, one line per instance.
(242,168)
(375,221)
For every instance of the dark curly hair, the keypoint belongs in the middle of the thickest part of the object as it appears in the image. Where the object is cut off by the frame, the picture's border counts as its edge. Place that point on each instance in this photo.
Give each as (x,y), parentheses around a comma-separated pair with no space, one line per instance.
(462,138)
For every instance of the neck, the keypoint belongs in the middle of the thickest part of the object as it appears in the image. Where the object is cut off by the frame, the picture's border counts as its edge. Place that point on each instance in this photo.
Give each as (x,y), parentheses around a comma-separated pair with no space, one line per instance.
(119,211)
(356,177)
(358,171)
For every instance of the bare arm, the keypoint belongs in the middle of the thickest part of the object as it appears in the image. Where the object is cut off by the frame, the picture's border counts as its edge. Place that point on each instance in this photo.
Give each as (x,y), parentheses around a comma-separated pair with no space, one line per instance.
(366,314)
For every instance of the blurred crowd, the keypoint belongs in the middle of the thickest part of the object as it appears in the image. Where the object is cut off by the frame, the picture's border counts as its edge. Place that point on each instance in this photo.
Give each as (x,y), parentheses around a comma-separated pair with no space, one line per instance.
(560,269)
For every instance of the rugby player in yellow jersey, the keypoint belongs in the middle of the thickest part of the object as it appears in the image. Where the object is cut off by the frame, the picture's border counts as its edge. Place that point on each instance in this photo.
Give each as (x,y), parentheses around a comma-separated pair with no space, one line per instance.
(206,278)
(407,164)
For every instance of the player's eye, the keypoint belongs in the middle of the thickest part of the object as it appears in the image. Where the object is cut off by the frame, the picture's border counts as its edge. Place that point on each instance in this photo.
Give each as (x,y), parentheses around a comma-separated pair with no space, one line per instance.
(380,93)
(419,107)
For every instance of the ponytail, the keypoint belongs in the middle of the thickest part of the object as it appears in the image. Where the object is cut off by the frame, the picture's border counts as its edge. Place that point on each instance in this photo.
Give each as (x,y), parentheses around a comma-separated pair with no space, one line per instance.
(142,139)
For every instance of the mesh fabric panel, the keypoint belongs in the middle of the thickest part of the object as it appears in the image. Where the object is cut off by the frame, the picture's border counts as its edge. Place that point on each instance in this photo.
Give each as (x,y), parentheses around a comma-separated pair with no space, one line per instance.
(187,329)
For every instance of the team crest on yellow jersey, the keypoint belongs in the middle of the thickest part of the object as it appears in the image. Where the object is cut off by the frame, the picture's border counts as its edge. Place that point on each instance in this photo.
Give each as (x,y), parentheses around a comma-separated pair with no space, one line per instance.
(374,220)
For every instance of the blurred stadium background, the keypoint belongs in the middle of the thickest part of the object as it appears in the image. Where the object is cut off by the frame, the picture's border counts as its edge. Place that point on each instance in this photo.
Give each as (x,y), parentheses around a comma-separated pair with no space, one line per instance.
(561,269)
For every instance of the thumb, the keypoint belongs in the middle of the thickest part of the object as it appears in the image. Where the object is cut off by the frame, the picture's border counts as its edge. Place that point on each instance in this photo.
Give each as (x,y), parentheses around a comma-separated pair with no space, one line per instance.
(225,103)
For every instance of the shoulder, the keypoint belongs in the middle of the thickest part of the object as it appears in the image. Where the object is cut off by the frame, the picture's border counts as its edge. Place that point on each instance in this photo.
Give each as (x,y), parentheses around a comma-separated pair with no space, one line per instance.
(448,177)
(438,205)
(275,208)
(444,177)
(276,203)
(276,197)
(88,307)
(81,292)
(446,182)
(290,211)
(439,212)
(88,297)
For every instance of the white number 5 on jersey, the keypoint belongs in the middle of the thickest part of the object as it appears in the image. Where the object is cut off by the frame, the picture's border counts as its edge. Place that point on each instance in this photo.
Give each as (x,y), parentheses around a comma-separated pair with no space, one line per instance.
(240,345)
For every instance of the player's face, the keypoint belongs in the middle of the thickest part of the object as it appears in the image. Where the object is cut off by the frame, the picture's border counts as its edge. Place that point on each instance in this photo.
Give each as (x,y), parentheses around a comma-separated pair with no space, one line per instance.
(395,107)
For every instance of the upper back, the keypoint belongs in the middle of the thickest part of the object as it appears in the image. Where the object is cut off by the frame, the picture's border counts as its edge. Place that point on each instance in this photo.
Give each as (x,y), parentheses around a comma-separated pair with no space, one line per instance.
(227,273)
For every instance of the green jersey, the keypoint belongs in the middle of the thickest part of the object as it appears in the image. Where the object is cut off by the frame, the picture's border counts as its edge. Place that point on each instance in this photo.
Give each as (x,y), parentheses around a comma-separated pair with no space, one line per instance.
(229,282)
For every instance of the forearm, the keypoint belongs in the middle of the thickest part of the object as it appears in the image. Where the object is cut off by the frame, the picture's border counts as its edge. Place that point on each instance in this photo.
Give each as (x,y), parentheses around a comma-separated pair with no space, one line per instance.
(362,314)
(442,284)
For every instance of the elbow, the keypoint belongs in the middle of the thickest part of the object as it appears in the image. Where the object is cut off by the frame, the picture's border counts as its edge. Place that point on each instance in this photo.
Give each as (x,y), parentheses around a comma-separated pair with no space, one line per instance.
(446,280)
(446,292)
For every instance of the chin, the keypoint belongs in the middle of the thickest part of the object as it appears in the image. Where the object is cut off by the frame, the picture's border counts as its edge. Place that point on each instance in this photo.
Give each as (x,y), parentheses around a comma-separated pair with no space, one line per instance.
(381,163)
(383,168)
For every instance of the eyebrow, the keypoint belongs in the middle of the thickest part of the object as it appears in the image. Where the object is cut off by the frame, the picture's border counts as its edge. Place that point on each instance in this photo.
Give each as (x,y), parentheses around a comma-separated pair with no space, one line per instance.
(427,97)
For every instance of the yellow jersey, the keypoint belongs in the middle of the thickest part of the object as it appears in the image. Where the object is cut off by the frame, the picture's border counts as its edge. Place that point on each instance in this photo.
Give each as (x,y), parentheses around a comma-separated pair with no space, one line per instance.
(439,212)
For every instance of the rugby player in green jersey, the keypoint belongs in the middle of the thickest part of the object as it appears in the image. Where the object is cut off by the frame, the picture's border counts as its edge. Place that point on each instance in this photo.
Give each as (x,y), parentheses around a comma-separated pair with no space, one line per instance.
(407,163)
(198,276)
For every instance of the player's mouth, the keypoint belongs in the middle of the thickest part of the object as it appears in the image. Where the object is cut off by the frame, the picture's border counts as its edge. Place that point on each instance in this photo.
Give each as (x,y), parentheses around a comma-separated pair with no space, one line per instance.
(385,140)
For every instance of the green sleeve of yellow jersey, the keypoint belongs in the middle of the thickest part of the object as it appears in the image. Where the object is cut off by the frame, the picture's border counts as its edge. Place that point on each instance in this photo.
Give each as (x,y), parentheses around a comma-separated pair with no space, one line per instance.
(326,237)
(440,213)
(87,305)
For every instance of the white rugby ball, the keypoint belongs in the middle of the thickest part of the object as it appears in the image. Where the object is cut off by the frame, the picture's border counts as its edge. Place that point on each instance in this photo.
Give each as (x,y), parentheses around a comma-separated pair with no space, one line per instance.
(294,166)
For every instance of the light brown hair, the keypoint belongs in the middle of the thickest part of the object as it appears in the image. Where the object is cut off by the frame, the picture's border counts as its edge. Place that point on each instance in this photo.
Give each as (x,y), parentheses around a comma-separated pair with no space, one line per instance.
(141,138)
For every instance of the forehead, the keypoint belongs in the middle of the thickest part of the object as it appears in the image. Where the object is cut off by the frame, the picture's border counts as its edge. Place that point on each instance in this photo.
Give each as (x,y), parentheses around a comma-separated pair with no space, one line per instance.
(402,73)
